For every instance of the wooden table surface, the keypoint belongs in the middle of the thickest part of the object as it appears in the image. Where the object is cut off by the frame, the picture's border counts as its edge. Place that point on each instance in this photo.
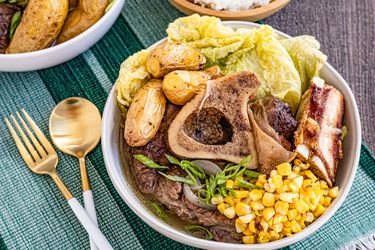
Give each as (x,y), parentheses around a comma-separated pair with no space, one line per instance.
(346,31)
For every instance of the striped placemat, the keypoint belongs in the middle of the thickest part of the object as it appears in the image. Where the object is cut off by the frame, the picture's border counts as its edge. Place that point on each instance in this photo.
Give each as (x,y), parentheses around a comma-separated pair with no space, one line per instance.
(33,214)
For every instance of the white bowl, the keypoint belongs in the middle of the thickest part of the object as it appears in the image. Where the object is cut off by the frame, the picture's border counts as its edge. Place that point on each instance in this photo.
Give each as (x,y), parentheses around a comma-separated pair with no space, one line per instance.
(55,55)
(345,176)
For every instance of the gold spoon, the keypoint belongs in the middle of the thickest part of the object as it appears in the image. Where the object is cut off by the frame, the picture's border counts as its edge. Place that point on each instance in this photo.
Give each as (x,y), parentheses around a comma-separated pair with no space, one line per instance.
(74,126)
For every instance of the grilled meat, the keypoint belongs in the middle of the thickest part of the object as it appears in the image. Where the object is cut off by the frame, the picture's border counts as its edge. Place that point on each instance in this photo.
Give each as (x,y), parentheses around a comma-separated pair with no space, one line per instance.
(318,137)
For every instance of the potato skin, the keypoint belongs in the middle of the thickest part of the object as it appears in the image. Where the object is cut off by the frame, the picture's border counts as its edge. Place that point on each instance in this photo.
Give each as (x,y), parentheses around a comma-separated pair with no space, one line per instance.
(173,56)
(86,14)
(145,114)
(180,86)
(40,25)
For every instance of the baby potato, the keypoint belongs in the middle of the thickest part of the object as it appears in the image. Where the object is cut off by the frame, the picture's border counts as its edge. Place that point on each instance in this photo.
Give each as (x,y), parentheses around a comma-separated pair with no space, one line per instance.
(214,72)
(173,56)
(180,86)
(145,114)
(40,25)
(86,13)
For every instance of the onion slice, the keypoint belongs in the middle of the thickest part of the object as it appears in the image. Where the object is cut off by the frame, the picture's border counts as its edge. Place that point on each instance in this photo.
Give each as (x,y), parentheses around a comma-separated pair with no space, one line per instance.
(208,167)
(193,198)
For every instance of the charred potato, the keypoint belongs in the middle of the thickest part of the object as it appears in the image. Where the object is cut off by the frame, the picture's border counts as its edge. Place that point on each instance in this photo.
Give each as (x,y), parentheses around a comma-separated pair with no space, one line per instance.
(173,56)
(181,85)
(40,25)
(87,13)
(145,114)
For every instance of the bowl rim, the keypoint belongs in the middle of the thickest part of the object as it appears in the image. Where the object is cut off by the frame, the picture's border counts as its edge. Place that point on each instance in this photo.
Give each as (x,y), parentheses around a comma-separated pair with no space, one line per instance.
(178,236)
(74,40)
(276,4)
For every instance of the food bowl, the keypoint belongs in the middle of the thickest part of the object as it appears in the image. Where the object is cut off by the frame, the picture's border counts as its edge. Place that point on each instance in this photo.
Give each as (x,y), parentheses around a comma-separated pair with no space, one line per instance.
(63,52)
(346,172)
(248,15)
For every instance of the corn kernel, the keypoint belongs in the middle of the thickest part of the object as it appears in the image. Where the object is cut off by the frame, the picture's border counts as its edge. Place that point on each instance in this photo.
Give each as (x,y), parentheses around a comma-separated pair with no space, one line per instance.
(229,200)
(293,187)
(273,173)
(287,197)
(301,206)
(246,200)
(240,226)
(282,207)
(285,218)
(247,232)
(292,175)
(319,210)
(298,162)
(246,218)
(268,199)
(298,181)
(240,194)
(242,209)
(217,200)
(248,239)
(298,216)
(258,213)
(256,205)
(277,181)
(282,189)
(306,183)
(268,213)
(292,213)
(230,212)
(255,194)
(264,225)
(295,227)
(263,237)
(334,192)
(274,235)
(325,192)
(235,183)
(221,207)
(305,166)
(287,230)
(277,218)
(270,187)
(323,184)
(311,176)
(252,226)
(296,169)
(278,227)
(309,217)
(284,169)
(303,195)
(262,178)
(327,201)
(229,184)
(259,184)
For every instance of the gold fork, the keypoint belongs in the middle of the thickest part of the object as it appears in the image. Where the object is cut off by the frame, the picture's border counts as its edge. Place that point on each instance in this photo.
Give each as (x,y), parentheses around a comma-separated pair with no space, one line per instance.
(41,158)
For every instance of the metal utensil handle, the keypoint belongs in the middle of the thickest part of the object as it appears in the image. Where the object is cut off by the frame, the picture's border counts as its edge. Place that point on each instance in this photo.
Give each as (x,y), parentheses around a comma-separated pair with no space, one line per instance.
(92,229)
(88,200)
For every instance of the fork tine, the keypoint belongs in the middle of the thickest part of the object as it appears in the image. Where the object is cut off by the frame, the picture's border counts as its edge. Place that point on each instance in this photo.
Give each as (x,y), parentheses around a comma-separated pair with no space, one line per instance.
(39,134)
(37,145)
(25,140)
(21,148)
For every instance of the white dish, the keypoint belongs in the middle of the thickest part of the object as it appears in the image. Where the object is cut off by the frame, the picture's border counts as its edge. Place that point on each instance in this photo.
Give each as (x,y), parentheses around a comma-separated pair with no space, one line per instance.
(345,177)
(55,55)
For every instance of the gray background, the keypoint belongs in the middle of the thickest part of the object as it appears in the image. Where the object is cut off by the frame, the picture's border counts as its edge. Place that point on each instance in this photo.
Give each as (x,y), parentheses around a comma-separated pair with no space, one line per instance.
(346,31)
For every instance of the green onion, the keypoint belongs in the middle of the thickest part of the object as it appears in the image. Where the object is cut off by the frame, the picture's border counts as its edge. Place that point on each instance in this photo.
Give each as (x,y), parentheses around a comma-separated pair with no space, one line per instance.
(251,173)
(159,211)
(199,231)
(248,185)
(172,160)
(148,162)
(179,179)
(195,169)
(16,19)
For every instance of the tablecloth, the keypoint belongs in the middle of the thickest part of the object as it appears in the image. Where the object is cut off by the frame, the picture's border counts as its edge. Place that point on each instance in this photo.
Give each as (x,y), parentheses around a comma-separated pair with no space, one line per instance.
(33,214)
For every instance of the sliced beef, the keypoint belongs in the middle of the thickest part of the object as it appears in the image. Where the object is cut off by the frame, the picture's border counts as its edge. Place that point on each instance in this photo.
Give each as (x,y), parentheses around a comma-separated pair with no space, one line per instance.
(6,14)
(226,234)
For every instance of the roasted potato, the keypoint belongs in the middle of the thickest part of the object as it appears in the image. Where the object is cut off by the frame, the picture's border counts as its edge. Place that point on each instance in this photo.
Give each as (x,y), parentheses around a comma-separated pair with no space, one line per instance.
(145,114)
(40,25)
(214,72)
(180,86)
(169,56)
(87,13)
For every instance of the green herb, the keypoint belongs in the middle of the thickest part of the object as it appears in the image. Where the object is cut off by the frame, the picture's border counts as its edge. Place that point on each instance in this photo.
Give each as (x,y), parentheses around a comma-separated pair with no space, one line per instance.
(248,185)
(192,169)
(199,231)
(179,179)
(148,162)
(251,173)
(16,19)
(159,211)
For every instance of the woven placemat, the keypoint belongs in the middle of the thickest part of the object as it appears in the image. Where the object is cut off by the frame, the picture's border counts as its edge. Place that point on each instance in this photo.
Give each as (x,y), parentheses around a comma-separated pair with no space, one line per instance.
(33,214)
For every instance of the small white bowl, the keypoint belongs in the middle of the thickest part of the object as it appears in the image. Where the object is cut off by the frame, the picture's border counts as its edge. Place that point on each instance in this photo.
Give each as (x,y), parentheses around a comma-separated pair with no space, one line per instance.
(345,176)
(55,55)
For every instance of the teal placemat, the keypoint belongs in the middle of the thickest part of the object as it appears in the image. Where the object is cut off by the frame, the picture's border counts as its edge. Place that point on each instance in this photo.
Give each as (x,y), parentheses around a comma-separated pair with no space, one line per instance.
(33,214)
